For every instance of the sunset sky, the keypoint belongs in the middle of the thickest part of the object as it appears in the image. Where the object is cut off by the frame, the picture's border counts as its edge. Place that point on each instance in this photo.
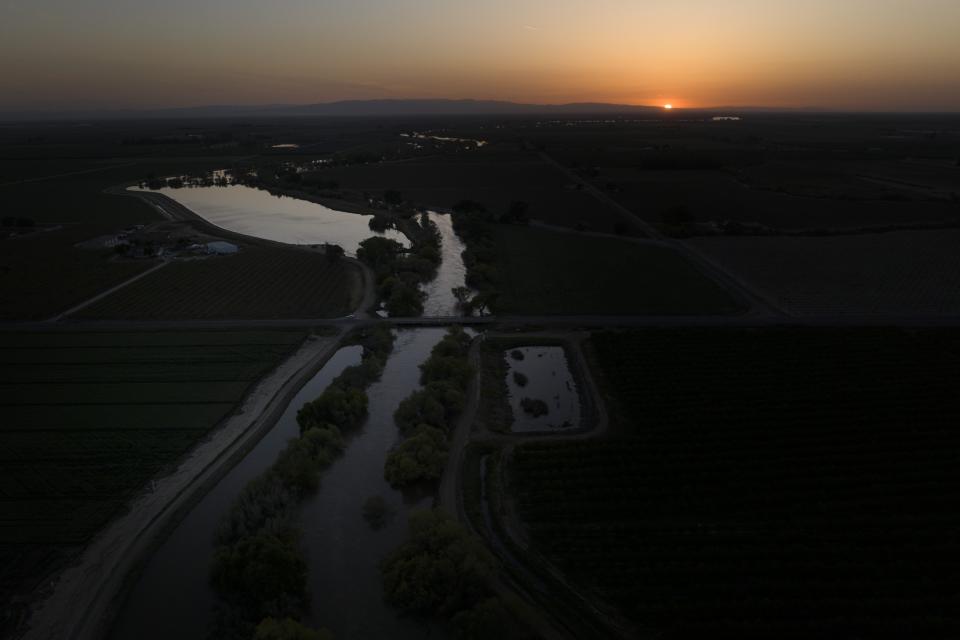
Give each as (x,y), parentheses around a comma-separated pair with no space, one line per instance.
(842,54)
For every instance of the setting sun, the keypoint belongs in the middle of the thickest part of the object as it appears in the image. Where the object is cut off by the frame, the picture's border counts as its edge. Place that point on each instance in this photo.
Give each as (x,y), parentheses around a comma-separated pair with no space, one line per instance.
(668,107)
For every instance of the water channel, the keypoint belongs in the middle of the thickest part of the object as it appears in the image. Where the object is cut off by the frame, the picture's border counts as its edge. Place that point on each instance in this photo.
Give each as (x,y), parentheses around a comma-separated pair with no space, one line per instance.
(172,597)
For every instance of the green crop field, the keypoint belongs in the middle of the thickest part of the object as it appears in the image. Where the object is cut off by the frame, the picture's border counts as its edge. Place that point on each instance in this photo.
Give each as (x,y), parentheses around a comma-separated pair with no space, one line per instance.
(764,483)
(88,418)
(256,283)
(548,272)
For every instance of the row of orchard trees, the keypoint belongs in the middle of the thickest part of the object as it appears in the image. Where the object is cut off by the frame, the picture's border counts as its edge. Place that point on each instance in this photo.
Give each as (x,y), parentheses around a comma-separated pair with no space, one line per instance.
(259,570)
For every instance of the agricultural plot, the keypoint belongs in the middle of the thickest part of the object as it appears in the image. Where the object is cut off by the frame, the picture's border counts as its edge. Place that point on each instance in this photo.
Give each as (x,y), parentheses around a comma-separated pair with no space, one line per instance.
(258,282)
(88,418)
(771,483)
(491,177)
(777,199)
(906,272)
(44,274)
(547,272)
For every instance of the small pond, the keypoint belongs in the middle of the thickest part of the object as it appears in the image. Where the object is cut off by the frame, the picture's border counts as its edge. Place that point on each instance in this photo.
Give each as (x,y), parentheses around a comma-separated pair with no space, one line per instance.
(541,379)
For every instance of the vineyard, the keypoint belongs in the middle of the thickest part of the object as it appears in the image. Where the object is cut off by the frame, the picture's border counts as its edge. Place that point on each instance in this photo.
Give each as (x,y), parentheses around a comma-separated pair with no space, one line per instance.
(774,483)
(256,283)
(88,418)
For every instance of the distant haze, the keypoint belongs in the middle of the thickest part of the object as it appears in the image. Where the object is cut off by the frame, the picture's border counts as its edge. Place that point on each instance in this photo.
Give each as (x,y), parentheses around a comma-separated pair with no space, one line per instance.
(131,54)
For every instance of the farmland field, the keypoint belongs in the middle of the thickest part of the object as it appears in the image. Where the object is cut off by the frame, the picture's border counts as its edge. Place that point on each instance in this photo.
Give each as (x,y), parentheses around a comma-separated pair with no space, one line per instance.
(547,272)
(492,177)
(258,282)
(763,483)
(903,272)
(88,418)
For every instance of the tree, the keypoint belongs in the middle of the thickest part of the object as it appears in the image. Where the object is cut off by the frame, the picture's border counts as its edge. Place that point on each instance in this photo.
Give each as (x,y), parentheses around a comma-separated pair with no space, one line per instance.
(440,569)
(264,574)
(420,457)
(334,252)
(343,407)
(288,629)
(516,213)
(393,197)
(379,252)
(487,619)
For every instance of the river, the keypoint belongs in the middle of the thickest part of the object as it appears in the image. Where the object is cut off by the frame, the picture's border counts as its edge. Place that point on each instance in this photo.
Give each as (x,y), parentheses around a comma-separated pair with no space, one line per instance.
(172,597)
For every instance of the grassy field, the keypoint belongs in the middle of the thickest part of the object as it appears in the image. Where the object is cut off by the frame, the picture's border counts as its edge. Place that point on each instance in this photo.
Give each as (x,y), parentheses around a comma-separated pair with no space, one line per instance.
(771,483)
(88,418)
(258,282)
(902,272)
(547,272)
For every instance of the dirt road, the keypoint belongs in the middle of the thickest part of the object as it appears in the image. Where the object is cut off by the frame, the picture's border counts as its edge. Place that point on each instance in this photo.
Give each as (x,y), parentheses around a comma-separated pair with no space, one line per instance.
(83,599)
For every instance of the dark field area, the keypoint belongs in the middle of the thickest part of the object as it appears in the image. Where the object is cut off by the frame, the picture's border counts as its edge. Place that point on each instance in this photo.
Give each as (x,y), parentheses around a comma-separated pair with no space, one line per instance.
(783,172)
(495,176)
(259,282)
(549,272)
(90,417)
(766,483)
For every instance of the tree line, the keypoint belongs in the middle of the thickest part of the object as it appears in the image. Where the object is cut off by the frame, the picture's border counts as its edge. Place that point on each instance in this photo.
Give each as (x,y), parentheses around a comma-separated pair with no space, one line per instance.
(259,570)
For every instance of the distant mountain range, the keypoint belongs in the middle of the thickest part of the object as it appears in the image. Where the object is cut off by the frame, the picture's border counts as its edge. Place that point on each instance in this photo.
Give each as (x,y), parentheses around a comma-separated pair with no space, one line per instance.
(376,108)
(344,108)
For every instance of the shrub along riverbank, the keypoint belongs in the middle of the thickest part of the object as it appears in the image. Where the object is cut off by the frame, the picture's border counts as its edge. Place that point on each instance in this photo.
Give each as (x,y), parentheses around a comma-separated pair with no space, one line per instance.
(426,416)
(259,570)
(399,272)
(443,572)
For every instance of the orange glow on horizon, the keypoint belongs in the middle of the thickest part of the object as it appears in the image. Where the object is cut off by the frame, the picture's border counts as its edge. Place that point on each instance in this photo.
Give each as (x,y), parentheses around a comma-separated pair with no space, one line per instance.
(689,55)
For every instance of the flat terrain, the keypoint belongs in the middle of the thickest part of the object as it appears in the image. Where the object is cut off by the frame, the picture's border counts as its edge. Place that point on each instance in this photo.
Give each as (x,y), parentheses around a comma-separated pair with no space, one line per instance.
(44,273)
(898,273)
(258,283)
(548,272)
(763,483)
(90,417)
(494,177)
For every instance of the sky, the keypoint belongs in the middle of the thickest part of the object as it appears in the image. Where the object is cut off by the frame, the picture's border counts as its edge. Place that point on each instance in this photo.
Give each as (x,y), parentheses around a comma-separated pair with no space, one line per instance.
(840,54)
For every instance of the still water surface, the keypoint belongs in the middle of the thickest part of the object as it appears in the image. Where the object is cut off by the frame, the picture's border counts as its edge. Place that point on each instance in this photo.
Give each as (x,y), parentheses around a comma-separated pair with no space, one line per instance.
(172,598)
(255,212)
(549,379)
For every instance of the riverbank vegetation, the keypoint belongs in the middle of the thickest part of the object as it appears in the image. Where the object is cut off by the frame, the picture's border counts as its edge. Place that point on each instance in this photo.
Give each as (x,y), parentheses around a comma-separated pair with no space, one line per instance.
(259,569)
(399,272)
(443,572)
(427,415)
(767,483)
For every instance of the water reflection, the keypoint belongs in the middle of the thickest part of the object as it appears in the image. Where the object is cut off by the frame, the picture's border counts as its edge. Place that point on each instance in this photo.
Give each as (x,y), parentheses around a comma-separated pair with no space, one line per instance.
(172,598)
(452,272)
(258,213)
(344,550)
(542,373)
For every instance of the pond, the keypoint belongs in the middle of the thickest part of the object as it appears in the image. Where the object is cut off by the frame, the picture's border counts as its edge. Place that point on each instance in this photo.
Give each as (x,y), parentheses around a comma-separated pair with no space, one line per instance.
(255,212)
(172,597)
(541,389)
